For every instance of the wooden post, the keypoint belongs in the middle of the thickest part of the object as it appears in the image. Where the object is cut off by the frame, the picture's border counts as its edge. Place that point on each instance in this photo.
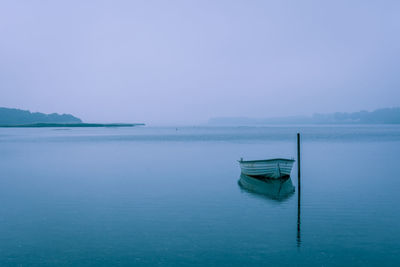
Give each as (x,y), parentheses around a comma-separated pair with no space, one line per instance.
(298,161)
(298,191)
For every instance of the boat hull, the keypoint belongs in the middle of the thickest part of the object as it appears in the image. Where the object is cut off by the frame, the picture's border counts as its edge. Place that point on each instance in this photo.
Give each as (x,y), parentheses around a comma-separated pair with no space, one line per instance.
(271,168)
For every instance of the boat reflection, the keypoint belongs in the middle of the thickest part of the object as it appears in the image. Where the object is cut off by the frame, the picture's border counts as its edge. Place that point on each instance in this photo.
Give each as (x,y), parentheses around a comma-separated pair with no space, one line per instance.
(277,189)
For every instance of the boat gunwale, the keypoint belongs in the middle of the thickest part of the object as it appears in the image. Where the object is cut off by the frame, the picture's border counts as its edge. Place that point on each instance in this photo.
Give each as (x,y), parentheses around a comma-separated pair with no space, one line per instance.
(265,160)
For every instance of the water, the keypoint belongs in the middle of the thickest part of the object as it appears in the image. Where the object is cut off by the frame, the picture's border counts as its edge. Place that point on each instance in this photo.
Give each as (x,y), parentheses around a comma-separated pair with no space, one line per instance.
(166,196)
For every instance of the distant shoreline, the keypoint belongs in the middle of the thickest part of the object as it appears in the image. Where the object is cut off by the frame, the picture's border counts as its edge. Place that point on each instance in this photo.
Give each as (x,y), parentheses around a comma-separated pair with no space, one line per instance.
(379,116)
(74,125)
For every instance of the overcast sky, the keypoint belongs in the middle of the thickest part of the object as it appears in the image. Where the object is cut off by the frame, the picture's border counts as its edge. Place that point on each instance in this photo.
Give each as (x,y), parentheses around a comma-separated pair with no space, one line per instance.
(186,61)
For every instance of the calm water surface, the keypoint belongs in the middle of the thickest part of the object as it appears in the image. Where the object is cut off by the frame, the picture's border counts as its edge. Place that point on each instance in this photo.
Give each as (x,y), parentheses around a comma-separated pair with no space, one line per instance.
(166,196)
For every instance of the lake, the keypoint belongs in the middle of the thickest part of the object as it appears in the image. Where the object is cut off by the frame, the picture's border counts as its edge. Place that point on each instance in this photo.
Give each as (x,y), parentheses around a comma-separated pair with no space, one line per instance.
(159,196)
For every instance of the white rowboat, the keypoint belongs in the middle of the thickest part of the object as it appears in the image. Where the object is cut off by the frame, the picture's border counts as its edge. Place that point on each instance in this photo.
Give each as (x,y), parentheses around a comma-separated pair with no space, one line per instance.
(268,168)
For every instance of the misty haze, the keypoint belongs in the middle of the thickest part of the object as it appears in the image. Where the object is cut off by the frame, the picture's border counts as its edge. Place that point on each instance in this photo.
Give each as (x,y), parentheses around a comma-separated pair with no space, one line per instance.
(199,133)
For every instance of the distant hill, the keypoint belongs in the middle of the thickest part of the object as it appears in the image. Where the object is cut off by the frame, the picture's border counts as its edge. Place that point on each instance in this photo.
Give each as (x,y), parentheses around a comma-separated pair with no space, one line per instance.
(12,116)
(379,116)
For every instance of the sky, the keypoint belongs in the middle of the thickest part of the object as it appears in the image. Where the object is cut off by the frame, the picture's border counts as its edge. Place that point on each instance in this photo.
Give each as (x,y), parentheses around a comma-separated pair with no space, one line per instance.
(183,62)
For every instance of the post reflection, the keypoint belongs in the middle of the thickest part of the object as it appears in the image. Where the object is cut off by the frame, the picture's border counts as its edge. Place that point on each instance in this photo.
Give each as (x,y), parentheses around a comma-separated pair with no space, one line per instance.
(298,238)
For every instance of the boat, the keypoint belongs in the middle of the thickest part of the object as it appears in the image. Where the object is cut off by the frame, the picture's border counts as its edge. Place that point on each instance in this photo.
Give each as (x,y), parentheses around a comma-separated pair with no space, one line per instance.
(268,168)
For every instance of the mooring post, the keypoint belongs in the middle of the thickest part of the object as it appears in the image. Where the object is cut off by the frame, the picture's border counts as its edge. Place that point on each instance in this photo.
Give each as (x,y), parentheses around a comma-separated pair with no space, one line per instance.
(298,161)
(298,191)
